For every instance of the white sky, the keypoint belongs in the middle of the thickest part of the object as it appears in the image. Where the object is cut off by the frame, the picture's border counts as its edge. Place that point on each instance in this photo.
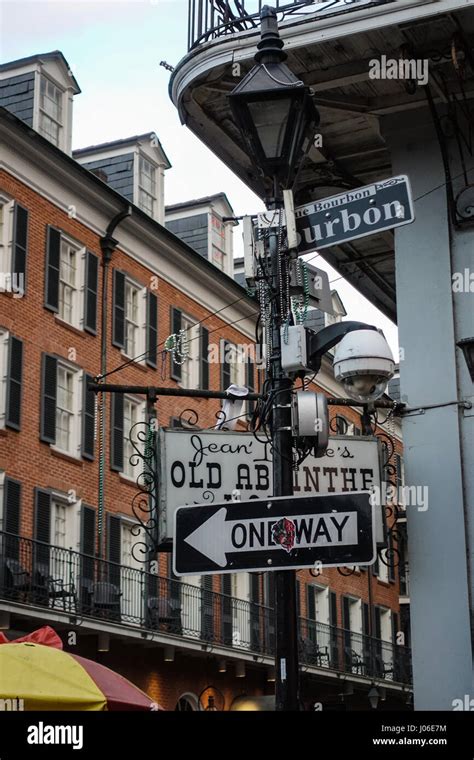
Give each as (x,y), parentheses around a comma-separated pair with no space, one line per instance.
(114,48)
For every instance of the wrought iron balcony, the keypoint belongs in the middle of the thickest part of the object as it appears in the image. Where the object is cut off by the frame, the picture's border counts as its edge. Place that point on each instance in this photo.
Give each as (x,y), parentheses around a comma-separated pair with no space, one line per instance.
(210,19)
(84,587)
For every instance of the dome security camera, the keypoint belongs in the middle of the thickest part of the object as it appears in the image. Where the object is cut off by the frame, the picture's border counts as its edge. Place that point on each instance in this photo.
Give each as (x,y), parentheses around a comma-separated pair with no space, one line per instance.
(363,364)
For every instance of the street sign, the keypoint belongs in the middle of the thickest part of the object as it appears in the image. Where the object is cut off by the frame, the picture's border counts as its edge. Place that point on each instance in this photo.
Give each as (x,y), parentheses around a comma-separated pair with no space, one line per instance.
(274,534)
(350,215)
(212,466)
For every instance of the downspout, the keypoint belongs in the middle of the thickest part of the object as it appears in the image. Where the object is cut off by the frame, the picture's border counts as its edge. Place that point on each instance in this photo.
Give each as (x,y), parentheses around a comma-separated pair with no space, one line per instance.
(108,245)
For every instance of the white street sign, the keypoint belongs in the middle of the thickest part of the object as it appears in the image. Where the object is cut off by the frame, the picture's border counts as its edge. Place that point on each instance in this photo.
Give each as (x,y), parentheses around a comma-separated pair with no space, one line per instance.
(208,467)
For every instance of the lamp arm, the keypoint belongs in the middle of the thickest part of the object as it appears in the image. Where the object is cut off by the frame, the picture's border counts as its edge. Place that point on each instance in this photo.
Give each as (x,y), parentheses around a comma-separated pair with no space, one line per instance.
(319,343)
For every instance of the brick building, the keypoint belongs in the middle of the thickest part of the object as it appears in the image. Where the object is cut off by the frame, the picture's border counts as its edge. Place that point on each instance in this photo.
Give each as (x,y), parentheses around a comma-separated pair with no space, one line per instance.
(64,561)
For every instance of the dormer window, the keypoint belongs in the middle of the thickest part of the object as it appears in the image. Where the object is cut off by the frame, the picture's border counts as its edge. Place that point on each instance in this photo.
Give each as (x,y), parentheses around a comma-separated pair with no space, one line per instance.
(51,112)
(146,186)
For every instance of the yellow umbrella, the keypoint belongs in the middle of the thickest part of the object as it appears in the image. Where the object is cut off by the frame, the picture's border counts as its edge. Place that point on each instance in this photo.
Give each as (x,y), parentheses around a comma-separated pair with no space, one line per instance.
(47,679)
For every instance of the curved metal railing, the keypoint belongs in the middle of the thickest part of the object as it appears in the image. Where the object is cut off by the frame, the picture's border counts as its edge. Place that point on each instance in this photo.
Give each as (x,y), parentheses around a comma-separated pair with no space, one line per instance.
(57,580)
(210,19)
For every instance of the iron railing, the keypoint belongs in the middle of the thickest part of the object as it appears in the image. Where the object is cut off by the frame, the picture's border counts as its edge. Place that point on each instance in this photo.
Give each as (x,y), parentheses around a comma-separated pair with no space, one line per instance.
(58,579)
(210,19)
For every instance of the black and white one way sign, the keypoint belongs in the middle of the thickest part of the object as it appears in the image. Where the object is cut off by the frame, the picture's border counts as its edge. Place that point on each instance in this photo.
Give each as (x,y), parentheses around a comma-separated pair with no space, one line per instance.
(274,533)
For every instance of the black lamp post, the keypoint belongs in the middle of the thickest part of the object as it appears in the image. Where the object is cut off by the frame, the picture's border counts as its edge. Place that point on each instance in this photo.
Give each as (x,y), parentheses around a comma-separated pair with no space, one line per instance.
(278,121)
(274,109)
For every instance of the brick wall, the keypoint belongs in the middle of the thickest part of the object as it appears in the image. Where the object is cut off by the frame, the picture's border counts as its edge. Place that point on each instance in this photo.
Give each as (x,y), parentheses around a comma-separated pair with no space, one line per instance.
(34,463)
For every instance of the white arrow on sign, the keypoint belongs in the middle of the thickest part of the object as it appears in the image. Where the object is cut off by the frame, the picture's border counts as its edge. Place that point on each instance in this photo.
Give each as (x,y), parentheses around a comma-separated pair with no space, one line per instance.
(218,537)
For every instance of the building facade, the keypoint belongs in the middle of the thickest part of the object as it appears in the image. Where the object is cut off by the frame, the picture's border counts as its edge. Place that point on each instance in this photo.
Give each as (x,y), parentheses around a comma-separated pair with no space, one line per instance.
(70,461)
(387,76)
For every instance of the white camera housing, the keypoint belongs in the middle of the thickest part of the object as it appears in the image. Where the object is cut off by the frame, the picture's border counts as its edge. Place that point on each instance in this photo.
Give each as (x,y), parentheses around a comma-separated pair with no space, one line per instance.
(363,364)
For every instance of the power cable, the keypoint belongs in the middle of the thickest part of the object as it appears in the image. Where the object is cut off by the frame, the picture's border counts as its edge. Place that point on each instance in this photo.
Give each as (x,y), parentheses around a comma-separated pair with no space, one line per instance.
(191,327)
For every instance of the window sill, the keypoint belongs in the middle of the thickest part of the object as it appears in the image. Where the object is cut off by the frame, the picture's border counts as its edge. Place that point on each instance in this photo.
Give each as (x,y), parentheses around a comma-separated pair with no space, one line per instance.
(13,293)
(68,326)
(127,479)
(67,457)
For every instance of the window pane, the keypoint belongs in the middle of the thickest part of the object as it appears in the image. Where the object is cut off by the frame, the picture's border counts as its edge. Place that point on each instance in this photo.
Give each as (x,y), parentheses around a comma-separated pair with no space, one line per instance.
(131,319)
(59,537)
(130,413)
(49,129)
(145,202)
(67,281)
(147,176)
(50,99)
(64,408)
(190,367)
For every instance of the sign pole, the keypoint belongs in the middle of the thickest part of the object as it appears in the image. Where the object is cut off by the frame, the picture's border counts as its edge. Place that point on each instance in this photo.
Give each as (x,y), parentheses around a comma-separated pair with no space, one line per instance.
(286,654)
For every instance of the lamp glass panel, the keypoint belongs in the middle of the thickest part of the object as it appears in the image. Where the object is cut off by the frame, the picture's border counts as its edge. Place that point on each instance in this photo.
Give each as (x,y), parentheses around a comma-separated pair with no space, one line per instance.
(469,351)
(270,118)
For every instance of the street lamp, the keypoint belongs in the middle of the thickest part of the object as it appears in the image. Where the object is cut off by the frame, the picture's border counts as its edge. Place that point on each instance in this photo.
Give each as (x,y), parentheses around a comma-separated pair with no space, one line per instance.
(278,121)
(274,109)
(373,696)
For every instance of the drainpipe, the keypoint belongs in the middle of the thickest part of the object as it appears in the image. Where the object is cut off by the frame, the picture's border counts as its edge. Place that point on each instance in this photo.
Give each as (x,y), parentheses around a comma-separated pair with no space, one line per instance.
(108,244)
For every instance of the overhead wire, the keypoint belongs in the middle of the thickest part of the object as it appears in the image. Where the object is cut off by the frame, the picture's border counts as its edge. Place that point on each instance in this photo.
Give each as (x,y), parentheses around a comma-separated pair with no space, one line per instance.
(238,300)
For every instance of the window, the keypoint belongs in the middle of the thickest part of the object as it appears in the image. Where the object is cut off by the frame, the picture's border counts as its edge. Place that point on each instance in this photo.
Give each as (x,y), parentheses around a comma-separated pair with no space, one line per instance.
(13,246)
(318,613)
(6,211)
(384,649)
(353,639)
(56,522)
(67,413)
(59,525)
(233,362)
(240,590)
(190,367)
(233,370)
(383,567)
(236,368)
(132,323)
(342,425)
(69,283)
(400,479)
(3,376)
(187,703)
(50,118)
(65,409)
(218,242)
(133,412)
(146,186)
(131,560)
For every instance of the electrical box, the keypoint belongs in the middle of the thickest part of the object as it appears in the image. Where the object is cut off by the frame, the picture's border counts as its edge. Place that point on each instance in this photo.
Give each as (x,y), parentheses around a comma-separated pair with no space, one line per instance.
(254,249)
(318,285)
(291,233)
(294,355)
(249,253)
(310,419)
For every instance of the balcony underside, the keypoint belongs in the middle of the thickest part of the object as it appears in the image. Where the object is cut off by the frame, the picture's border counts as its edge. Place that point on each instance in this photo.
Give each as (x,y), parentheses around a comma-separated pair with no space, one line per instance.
(333,57)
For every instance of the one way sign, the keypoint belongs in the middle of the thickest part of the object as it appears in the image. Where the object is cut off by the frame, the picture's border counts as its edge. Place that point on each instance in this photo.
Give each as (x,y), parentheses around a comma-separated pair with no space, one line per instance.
(274,534)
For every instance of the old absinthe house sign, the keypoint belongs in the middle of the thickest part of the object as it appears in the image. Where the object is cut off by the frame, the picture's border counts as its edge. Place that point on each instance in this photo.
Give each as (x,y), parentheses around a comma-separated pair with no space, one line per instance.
(207,467)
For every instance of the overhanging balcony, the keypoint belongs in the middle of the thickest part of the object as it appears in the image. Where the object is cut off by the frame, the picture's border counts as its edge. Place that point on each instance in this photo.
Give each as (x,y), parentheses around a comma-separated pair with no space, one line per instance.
(330,46)
(60,584)
(210,19)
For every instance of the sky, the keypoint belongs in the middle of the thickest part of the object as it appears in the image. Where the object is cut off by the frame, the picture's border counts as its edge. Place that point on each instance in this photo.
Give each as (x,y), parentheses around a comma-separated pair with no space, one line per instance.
(114,48)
